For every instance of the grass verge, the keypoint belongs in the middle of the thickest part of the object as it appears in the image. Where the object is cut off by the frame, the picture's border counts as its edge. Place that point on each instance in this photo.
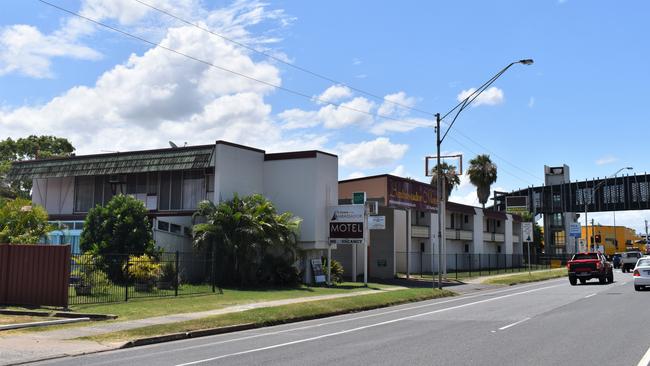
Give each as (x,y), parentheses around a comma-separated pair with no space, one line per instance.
(281,314)
(18,319)
(525,277)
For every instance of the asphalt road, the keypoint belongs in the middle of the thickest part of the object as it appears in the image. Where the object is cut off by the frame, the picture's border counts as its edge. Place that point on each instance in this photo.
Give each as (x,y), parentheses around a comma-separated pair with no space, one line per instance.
(546,323)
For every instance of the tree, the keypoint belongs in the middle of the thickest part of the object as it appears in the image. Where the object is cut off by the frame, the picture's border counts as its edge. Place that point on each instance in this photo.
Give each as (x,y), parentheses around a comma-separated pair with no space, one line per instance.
(32,147)
(21,222)
(122,226)
(255,244)
(482,174)
(450,178)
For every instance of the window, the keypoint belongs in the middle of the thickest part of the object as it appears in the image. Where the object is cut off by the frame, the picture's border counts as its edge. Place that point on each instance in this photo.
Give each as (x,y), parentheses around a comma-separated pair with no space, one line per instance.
(210,184)
(163,225)
(498,248)
(559,239)
(452,221)
(176,229)
(498,223)
(467,219)
(165,185)
(421,214)
(466,248)
(187,231)
(84,193)
(152,184)
(176,191)
(193,189)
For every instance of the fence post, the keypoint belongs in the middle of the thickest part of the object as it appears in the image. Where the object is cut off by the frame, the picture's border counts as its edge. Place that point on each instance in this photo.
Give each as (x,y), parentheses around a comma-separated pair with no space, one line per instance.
(176,276)
(489,264)
(212,275)
(470,265)
(126,280)
(456,266)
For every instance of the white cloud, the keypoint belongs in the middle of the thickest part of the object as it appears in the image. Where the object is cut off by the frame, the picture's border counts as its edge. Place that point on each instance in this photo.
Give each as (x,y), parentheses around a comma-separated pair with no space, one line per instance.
(358,111)
(25,50)
(355,175)
(297,118)
(333,94)
(606,160)
(158,96)
(491,96)
(396,103)
(403,125)
(399,171)
(371,154)
(531,102)
(356,61)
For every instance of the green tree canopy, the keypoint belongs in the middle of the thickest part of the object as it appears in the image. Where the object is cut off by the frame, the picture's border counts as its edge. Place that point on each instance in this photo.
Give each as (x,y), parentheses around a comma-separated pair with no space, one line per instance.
(482,174)
(450,178)
(21,222)
(28,148)
(254,242)
(122,226)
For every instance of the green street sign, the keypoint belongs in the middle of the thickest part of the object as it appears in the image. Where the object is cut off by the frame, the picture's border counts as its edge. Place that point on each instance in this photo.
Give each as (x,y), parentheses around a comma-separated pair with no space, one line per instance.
(358,198)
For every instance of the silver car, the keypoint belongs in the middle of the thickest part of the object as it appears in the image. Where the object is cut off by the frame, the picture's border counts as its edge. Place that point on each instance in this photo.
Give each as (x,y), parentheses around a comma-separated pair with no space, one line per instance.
(641,273)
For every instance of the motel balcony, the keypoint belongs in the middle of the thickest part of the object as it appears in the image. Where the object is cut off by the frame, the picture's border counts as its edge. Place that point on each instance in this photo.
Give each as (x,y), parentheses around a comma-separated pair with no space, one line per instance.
(494,237)
(459,234)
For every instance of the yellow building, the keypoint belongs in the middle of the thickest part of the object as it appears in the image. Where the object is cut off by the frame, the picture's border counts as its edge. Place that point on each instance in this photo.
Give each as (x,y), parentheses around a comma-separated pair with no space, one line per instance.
(624,237)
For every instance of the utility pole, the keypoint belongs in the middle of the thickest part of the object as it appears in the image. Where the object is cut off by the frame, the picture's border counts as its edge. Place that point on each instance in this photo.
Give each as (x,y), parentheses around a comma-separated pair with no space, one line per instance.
(440,198)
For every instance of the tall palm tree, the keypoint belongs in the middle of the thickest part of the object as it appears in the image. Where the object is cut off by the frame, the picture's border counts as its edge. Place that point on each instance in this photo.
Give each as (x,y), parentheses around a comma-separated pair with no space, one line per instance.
(482,174)
(450,178)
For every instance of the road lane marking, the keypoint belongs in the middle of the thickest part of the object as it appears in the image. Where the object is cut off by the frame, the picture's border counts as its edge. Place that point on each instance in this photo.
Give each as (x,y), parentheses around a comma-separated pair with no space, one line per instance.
(588,296)
(362,327)
(513,324)
(347,319)
(645,361)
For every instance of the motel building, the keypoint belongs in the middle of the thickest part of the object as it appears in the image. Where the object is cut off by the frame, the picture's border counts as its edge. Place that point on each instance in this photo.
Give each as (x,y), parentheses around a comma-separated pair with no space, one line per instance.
(171,182)
(475,237)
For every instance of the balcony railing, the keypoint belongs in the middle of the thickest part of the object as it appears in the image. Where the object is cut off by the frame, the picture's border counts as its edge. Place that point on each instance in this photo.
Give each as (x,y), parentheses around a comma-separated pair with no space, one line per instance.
(458,234)
(494,237)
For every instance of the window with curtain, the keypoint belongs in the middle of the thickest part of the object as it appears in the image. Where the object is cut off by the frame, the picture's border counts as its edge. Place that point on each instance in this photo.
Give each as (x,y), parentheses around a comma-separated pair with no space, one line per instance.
(193,189)
(84,193)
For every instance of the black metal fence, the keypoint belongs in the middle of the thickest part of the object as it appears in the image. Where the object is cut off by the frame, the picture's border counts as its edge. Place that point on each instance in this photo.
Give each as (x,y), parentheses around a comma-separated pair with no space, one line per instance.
(121,277)
(467,265)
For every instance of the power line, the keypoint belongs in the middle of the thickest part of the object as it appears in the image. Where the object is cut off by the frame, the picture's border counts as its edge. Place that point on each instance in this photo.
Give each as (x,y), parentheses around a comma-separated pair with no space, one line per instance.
(279,87)
(278,59)
(327,78)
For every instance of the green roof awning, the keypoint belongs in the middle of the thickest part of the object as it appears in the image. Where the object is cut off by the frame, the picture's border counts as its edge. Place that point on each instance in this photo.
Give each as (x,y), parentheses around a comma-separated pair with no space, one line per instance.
(182,158)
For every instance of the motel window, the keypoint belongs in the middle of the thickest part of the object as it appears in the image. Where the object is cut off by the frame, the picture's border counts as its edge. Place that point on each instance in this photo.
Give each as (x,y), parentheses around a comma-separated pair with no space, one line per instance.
(466,219)
(84,193)
(163,225)
(498,248)
(452,221)
(498,223)
(466,248)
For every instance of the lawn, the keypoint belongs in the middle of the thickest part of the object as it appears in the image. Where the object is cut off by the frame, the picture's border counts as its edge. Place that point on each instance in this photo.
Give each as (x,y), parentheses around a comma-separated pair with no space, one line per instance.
(17,319)
(463,275)
(149,307)
(282,314)
(525,277)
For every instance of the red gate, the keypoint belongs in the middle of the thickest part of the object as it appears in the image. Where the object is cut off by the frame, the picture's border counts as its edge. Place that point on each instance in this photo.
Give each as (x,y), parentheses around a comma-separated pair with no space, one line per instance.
(34,275)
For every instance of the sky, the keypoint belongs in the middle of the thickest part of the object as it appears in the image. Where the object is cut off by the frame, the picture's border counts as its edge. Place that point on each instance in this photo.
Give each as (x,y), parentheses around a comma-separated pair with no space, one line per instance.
(360,79)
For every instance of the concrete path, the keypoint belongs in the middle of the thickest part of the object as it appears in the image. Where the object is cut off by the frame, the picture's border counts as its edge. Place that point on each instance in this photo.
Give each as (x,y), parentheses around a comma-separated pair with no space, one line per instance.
(33,346)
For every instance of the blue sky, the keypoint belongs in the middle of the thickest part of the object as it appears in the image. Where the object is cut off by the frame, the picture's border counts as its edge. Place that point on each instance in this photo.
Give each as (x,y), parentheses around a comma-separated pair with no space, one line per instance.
(582,103)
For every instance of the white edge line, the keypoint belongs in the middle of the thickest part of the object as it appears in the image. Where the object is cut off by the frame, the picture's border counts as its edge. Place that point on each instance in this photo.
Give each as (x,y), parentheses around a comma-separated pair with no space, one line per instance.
(645,361)
(515,323)
(588,296)
(361,328)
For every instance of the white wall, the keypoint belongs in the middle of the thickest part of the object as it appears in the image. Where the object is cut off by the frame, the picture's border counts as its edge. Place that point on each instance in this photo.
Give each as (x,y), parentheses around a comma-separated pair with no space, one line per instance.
(237,170)
(55,194)
(304,187)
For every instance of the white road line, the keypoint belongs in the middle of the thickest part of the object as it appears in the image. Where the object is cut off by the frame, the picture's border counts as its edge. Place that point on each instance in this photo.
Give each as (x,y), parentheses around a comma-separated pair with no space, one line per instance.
(513,324)
(645,361)
(363,327)
(588,296)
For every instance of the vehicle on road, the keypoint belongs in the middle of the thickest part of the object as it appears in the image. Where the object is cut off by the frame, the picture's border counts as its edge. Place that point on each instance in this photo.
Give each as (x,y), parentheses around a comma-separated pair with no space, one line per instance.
(629,259)
(616,260)
(585,266)
(641,273)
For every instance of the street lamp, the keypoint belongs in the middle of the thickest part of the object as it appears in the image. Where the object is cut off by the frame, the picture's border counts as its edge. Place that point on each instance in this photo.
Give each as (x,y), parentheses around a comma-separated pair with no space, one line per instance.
(598,186)
(457,109)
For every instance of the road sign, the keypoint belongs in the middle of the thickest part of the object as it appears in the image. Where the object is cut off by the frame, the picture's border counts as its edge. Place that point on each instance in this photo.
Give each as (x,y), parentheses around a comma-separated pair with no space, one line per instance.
(376,222)
(527,231)
(575,230)
(346,224)
(358,198)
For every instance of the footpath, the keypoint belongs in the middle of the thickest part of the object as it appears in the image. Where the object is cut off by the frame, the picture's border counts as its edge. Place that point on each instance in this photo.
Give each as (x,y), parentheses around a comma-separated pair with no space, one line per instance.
(18,348)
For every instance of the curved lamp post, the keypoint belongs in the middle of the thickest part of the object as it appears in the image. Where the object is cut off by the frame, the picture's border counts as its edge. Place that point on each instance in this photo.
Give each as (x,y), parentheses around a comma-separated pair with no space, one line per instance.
(457,109)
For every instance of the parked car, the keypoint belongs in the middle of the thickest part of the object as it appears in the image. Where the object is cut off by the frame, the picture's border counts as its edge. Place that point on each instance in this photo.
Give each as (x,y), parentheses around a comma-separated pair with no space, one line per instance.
(629,259)
(585,266)
(641,273)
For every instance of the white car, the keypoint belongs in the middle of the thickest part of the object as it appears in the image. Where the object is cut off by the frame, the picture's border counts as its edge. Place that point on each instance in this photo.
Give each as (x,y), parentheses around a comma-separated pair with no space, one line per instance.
(642,273)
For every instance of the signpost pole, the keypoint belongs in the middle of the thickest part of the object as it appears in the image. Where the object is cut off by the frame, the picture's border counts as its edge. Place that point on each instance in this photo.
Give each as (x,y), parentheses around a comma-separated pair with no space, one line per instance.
(528,243)
(354,263)
(329,264)
(366,239)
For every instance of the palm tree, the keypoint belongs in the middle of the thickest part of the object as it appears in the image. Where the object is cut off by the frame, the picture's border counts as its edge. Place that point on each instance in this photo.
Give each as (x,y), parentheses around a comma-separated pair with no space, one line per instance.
(482,174)
(450,178)
(248,235)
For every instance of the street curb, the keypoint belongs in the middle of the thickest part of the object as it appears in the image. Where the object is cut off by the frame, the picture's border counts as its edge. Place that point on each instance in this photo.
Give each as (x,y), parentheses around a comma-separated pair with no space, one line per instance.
(236,328)
(58,314)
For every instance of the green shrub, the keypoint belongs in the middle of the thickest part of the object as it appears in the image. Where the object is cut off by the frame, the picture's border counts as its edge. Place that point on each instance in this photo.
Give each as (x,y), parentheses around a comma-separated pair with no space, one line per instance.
(168,272)
(87,269)
(336,270)
(143,269)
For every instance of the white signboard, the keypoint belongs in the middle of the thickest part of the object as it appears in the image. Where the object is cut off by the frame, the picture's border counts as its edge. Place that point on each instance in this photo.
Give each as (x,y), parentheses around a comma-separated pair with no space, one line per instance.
(527,231)
(376,222)
(346,224)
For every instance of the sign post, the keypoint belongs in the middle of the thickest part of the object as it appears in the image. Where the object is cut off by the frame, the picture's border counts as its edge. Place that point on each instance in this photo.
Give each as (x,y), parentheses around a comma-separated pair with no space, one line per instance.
(575,231)
(527,233)
(347,226)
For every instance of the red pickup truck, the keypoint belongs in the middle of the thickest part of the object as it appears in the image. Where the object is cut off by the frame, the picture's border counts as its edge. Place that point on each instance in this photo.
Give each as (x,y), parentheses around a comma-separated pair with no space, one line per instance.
(585,266)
